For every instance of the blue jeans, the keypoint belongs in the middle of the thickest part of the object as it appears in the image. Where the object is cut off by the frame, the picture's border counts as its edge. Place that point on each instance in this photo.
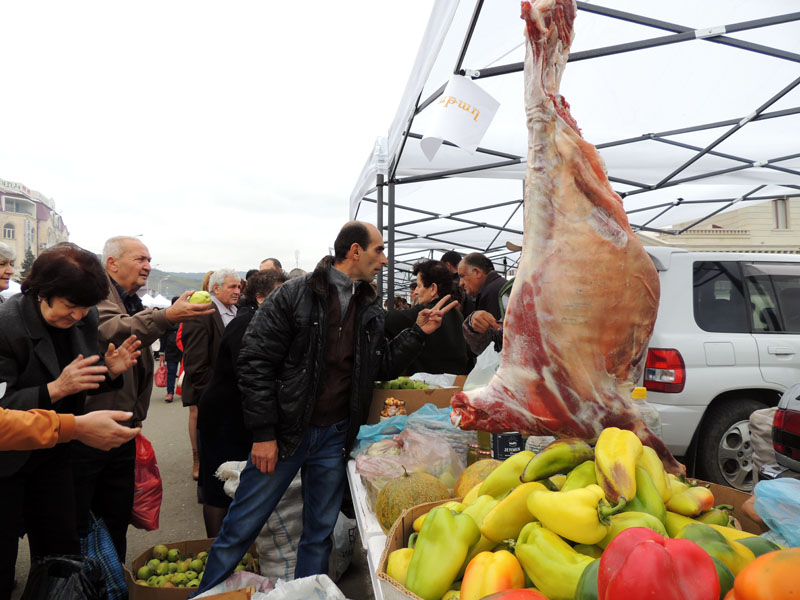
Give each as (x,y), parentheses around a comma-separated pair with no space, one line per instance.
(321,462)
(172,375)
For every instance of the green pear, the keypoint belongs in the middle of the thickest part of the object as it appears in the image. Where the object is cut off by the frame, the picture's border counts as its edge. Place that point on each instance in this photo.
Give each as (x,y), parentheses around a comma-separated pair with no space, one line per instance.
(160,552)
(151,581)
(144,572)
(174,555)
(173,567)
(183,565)
(246,558)
(200,297)
(153,563)
(197,565)
(193,583)
(202,556)
(190,575)
(162,568)
(179,578)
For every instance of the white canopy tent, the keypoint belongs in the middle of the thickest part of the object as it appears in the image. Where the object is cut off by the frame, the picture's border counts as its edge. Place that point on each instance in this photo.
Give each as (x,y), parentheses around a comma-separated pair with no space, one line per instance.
(695,108)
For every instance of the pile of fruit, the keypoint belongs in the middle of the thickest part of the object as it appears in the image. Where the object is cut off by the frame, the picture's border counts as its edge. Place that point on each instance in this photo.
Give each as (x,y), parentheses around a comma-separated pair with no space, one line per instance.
(169,568)
(393,407)
(576,522)
(402,383)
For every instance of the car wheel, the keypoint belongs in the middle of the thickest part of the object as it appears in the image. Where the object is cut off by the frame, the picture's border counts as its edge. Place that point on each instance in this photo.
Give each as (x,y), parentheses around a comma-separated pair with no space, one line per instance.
(724,451)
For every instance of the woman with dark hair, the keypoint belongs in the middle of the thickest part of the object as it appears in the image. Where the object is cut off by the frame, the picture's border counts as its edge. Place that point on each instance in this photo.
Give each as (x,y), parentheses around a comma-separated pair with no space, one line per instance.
(222,435)
(49,359)
(445,349)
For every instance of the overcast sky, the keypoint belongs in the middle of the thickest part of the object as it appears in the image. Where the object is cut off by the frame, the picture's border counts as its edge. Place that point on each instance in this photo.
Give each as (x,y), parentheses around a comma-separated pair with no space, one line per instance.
(223,133)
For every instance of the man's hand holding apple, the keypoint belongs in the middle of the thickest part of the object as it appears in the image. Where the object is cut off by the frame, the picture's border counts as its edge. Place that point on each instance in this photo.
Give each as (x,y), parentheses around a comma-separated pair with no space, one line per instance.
(184,309)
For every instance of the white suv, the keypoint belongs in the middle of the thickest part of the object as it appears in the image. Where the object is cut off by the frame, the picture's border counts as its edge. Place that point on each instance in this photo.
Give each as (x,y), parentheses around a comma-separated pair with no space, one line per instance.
(726,342)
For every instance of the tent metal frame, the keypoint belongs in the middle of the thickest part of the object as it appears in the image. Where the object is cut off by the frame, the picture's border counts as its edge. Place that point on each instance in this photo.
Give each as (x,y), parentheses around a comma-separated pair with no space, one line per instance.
(401,263)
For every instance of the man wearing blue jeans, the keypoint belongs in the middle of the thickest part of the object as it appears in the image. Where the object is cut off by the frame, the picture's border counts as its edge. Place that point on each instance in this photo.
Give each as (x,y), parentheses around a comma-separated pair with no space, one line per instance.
(306,371)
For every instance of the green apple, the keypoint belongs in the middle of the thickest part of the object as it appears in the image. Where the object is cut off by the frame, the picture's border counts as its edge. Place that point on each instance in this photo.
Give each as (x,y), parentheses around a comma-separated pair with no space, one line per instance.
(197,565)
(144,572)
(200,297)
(160,552)
(174,555)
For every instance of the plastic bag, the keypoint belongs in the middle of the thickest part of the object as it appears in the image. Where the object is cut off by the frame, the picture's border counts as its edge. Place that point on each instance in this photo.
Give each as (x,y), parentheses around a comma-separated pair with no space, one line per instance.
(344,541)
(413,451)
(433,421)
(65,577)
(147,491)
(99,546)
(239,580)
(761,437)
(485,367)
(314,586)
(778,505)
(385,430)
(160,376)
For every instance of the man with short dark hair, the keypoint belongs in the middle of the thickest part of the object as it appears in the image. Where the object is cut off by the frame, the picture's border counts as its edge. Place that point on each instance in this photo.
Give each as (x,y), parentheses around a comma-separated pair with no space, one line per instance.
(478,277)
(104,481)
(451,260)
(270,264)
(306,371)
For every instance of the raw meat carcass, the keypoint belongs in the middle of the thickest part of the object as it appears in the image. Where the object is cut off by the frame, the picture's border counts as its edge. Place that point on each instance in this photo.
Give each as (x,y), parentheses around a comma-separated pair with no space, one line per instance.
(586,293)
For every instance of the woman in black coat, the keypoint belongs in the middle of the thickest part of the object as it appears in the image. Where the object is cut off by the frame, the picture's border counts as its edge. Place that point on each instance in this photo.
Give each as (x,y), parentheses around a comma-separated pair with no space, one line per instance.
(49,359)
(220,425)
(445,349)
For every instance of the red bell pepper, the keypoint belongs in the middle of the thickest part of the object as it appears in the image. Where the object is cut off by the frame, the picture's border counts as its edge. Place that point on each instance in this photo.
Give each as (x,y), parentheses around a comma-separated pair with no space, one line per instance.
(639,563)
(526,594)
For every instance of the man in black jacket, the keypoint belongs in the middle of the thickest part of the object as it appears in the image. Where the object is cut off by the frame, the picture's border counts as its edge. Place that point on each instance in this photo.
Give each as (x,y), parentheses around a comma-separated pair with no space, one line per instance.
(478,277)
(306,371)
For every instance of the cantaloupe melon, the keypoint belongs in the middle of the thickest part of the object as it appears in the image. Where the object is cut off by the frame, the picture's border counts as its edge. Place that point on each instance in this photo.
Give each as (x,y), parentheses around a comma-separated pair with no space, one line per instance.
(473,475)
(404,492)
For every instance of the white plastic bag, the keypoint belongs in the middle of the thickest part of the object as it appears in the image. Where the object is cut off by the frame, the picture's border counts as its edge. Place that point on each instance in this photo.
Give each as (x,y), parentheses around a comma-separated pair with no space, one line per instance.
(344,542)
(485,367)
(316,587)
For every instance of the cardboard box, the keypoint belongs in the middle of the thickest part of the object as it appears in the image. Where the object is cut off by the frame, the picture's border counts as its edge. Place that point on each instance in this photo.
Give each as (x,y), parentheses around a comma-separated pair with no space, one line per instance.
(398,535)
(414,399)
(187,548)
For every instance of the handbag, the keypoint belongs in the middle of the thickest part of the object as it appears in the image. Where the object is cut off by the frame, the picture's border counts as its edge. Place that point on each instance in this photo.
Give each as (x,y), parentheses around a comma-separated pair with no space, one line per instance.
(147,488)
(99,546)
(66,577)
(160,376)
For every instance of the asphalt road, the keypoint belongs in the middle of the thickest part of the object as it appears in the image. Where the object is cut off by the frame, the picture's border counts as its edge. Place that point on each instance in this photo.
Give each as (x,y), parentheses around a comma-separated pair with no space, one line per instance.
(181,516)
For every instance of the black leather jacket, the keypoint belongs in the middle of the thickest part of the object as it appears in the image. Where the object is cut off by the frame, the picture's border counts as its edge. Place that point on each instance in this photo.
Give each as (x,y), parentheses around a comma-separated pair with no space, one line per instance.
(280,363)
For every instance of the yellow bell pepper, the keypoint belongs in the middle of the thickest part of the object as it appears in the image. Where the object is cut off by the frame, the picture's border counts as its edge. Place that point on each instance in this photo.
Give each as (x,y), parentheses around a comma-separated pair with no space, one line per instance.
(491,572)
(506,476)
(580,515)
(511,514)
(551,563)
(615,456)
(651,463)
(397,564)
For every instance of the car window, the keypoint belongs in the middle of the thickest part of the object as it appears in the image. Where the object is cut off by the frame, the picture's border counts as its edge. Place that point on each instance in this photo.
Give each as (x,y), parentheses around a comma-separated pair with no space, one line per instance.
(718,296)
(774,290)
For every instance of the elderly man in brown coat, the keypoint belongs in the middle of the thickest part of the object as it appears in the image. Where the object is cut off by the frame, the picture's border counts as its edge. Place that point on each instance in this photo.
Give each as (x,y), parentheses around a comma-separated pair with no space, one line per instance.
(104,481)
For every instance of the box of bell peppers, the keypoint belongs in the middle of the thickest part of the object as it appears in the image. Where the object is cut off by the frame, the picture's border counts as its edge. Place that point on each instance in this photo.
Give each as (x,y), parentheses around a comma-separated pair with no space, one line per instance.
(402,529)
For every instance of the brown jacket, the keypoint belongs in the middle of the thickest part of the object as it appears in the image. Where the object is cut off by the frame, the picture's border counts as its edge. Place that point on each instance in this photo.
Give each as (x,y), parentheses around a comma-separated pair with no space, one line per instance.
(115,327)
(201,338)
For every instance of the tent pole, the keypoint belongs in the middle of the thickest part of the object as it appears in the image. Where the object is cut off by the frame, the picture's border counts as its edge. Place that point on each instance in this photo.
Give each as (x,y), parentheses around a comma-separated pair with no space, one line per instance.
(390,254)
(379,225)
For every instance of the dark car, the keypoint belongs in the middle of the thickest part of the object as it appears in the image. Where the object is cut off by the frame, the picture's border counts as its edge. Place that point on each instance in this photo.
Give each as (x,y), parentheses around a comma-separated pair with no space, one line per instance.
(786,437)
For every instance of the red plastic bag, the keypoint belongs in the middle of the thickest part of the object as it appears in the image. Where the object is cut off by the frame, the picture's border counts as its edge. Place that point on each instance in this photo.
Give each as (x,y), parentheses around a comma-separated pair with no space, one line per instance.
(160,377)
(147,491)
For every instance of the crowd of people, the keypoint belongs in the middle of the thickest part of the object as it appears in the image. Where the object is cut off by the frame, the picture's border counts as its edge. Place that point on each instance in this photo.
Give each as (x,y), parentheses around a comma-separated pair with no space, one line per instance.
(277,370)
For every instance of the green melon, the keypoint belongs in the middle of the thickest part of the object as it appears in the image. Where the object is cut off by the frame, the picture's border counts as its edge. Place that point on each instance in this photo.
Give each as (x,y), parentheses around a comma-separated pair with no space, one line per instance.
(474,474)
(404,492)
